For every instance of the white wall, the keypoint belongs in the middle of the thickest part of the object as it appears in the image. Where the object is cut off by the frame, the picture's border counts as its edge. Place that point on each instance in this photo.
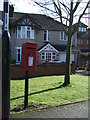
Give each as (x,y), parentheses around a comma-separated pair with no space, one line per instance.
(62,57)
(0,69)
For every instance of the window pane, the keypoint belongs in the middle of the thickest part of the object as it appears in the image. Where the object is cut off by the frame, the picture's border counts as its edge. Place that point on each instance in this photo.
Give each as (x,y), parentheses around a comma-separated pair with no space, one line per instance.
(28,34)
(42,56)
(61,35)
(19,32)
(48,56)
(32,34)
(84,29)
(23,31)
(54,56)
(53,53)
(45,35)
(32,28)
(18,55)
(28,28)
(79,28)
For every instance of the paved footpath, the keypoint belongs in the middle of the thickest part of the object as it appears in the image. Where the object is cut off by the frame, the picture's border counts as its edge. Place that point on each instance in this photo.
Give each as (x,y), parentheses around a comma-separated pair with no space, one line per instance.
(77,110)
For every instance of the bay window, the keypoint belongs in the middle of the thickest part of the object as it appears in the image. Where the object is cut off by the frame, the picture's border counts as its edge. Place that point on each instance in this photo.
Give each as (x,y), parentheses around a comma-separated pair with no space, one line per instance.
(25,32)
(48,56)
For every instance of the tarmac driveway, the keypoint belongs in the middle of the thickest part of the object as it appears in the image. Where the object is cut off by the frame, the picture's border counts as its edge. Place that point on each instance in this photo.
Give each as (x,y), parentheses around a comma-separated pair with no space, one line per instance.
(76,110)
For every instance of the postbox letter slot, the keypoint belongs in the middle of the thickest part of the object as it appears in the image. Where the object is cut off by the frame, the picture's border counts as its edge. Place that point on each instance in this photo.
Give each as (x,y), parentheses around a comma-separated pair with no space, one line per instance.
(30,61)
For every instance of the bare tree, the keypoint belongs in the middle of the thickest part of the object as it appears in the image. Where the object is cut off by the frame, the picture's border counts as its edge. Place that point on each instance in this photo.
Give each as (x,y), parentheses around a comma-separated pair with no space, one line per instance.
(66,10)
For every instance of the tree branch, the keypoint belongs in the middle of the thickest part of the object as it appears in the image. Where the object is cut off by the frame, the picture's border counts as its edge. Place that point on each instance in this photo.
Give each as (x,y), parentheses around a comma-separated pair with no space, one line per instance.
(58,11)
(80,18)
(67,8)
(42,6)
(76,6)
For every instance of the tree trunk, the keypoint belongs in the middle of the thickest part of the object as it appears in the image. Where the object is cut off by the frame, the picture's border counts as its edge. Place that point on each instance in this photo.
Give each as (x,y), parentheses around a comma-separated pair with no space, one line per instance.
(68,66)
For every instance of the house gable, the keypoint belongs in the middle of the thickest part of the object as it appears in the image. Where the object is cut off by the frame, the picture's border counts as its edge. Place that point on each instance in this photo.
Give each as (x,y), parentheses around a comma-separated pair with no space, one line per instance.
(27,21)
(48,47)
(24,21)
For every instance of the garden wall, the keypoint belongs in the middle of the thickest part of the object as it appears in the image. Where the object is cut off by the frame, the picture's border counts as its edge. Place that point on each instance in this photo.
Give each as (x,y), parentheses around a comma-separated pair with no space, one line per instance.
(42,70)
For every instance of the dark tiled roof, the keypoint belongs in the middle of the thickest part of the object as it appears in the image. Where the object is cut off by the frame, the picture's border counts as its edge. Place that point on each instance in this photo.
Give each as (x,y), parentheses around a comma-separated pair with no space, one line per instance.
(57,47)
(81,25)
(60,47)
(43,21)
(42,46)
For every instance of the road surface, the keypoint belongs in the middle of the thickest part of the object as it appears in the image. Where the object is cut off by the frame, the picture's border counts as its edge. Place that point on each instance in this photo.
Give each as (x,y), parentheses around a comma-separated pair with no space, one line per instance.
(76,110)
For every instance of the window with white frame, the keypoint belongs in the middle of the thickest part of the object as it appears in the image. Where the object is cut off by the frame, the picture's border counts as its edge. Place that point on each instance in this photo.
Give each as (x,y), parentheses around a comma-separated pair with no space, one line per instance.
(46,35)
(63,36)
(25,32)
(43,56)
(48,56)
(53,56)
(18,54)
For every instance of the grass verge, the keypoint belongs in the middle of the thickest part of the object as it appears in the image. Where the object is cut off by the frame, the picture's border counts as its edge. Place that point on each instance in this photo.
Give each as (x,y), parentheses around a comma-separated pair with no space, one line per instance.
(45,91)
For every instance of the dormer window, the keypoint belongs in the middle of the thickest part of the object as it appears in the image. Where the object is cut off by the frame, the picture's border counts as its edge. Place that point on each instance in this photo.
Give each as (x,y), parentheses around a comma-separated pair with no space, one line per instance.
(46,35)
(25,32)
(82,29)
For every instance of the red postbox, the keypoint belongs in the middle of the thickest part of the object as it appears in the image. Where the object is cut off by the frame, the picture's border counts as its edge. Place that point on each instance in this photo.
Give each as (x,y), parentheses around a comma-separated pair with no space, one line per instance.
(29,56)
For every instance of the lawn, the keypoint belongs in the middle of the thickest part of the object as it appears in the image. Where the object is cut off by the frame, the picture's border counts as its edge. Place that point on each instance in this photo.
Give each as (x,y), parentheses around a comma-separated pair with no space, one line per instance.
(45,91)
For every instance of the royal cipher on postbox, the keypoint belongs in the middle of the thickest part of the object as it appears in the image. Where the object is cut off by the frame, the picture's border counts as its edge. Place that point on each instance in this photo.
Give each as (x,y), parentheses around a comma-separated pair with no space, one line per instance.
(29,56)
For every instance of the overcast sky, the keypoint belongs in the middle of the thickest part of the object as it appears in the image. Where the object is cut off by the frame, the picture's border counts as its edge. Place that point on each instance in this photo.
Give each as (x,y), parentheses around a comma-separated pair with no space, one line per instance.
(24,6)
